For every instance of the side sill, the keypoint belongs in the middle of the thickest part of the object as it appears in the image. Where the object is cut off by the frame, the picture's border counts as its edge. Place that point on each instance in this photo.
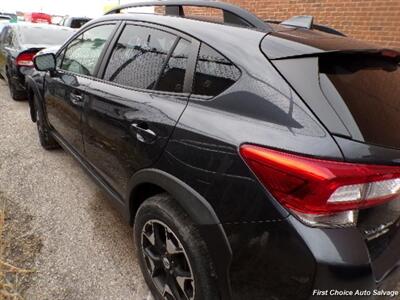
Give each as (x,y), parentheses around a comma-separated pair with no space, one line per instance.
(117,199)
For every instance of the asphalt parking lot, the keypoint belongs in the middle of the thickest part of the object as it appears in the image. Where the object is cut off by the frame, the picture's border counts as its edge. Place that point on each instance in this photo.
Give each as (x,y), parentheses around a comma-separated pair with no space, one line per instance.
(78,245)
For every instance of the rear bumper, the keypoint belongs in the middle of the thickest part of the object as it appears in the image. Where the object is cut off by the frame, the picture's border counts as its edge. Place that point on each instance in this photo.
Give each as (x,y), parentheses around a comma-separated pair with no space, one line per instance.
(288,260)
(18,77)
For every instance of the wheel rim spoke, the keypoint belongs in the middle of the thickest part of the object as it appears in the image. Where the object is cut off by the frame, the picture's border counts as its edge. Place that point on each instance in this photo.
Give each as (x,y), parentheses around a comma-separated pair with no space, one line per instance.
(183,278)
(167,292)
(150,254)
(159,236)
(154,260)
(171,246)
(174,287)
(148,232)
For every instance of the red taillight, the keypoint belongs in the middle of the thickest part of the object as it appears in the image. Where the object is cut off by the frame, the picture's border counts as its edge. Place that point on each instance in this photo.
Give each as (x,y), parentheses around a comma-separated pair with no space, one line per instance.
(310,186)
(25,59)
(390,53)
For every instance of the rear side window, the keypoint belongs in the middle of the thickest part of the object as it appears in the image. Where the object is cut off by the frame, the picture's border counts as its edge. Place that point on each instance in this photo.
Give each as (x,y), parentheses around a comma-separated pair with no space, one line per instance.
(173,75)
(214,73)
(369,86)
(139,57)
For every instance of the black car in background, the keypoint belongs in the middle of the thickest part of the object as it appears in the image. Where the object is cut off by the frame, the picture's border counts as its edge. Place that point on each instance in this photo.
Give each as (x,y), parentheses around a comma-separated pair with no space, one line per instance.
(12,17)
(19,42)
(255,161)
(74,22)
(5,17)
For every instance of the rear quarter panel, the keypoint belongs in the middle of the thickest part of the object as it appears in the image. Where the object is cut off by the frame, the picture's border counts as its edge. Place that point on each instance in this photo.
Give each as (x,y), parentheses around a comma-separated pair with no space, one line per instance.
(260,109)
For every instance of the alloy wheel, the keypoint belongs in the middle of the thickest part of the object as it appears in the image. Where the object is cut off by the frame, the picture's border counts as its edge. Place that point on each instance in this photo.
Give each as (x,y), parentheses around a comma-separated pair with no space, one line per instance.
(167,262)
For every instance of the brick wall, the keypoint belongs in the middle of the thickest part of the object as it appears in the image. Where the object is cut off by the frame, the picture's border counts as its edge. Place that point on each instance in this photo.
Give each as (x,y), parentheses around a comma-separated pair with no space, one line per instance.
(377,21)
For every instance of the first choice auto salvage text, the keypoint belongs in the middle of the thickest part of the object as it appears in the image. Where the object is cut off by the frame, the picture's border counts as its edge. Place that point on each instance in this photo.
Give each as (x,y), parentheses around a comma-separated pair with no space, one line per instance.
(356,293)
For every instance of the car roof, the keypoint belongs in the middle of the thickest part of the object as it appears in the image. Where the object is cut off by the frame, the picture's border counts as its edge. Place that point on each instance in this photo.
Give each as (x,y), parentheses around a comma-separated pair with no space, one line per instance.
(226,39)
(282,41)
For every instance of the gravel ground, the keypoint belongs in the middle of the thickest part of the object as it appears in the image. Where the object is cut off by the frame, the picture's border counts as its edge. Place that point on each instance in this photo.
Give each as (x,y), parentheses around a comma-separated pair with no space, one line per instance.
(79,245)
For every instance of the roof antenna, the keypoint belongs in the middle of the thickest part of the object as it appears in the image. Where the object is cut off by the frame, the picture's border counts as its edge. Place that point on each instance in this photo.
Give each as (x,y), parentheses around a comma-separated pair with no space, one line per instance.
(299,21)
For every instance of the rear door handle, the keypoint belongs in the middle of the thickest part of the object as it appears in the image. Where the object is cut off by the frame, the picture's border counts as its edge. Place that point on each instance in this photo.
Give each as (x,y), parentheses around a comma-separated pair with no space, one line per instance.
(76,98)
(143,133)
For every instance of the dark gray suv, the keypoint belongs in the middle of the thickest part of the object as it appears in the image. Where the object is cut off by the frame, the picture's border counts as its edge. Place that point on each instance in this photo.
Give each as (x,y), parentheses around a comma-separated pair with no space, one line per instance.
(254,160)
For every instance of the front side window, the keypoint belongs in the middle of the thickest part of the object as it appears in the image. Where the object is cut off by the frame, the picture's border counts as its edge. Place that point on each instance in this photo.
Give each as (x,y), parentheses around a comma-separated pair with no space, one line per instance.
(139,57)
(214,73)
(83,52)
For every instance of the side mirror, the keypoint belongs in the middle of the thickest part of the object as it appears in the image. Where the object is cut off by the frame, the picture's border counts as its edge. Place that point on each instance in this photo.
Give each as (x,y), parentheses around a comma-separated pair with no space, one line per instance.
(45,62)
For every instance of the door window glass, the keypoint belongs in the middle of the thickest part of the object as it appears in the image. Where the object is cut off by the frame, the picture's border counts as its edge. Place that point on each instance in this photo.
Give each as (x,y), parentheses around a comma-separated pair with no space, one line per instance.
(84,51)
(139,56)
(173,75)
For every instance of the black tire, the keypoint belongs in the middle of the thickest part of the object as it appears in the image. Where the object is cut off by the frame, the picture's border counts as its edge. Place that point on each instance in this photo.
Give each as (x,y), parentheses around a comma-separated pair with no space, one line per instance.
(14,93)
(156,212)
(47,141)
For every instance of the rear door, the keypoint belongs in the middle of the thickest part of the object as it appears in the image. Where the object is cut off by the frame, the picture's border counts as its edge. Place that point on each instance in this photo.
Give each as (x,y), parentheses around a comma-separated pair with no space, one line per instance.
(134,107)
(67,89)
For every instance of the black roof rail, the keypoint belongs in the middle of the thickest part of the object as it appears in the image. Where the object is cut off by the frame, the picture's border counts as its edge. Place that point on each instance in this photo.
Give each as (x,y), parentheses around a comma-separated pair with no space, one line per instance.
(232,14)
(318,27)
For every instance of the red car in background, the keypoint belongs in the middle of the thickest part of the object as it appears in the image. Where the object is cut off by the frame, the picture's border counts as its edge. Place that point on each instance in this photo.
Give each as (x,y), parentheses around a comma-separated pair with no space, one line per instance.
(37,18)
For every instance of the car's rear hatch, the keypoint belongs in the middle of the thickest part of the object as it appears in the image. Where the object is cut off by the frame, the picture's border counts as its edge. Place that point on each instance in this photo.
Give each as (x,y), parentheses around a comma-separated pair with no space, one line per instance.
(354,89)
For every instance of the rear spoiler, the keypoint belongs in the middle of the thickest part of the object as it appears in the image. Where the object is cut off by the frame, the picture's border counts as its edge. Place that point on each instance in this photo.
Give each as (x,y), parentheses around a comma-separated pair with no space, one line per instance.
(389,53)
(306,22)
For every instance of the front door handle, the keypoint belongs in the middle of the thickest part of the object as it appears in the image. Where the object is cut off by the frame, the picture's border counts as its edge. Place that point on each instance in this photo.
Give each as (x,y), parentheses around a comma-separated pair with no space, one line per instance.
(143,133)
(76,98)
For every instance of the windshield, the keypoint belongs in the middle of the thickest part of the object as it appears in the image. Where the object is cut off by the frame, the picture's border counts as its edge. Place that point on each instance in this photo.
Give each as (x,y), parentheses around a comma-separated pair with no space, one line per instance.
(39,35)
(369,86)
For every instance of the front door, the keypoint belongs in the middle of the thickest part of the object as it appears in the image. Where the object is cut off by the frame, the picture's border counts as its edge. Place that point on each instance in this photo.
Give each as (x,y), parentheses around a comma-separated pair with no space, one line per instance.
(67,89)
(135,107)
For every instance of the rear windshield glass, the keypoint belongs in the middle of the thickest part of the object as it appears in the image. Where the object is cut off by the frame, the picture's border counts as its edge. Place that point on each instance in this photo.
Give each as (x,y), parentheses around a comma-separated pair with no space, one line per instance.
(369,86)
(44,36)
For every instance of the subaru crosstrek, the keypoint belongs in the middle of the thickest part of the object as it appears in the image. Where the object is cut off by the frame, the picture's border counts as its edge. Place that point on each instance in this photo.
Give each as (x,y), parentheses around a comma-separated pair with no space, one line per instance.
(254,160)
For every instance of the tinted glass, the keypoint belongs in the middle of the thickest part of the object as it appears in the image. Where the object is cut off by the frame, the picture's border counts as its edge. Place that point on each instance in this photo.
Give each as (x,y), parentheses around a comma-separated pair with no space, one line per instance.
(83,52)
(40,35)
(139,56)
(9,37)
(214,73)
(173,76)
(78,23)
(369,87)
